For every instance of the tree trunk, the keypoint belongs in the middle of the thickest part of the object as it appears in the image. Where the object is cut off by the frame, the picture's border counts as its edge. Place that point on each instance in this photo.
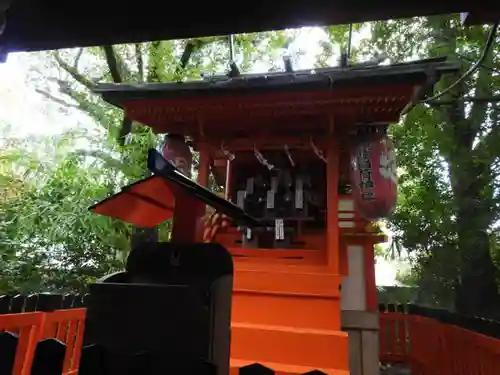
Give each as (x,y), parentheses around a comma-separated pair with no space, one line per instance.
(477,291)
(471,180)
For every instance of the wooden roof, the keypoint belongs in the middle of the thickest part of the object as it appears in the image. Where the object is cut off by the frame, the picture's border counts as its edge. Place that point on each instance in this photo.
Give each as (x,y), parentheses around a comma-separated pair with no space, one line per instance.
(42,25)
(285,103)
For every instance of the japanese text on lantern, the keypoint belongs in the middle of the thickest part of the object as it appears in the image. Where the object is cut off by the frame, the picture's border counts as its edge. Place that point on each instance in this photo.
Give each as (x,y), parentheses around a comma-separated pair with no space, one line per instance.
(365,172)
(388,165)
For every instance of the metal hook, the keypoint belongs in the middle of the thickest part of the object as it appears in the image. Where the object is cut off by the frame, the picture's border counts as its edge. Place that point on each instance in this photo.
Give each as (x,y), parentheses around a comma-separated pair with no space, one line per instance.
(261,159)
(289,155)
(317,151)
(226,152)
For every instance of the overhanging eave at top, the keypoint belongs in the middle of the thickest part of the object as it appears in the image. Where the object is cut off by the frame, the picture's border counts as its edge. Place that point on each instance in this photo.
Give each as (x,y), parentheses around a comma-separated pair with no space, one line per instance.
(375,94)
(43,25)
(327,79)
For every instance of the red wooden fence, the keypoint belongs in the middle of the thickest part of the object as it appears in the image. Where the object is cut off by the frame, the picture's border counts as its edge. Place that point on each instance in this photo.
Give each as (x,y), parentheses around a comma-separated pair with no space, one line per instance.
(30,329)
(429,347)
(426,345)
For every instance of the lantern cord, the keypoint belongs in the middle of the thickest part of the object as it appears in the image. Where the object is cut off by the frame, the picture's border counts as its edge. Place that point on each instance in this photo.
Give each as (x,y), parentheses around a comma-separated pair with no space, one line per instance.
(317,151)
(228,154)
(472,69)
(289,155)
(261,159)
(489,42)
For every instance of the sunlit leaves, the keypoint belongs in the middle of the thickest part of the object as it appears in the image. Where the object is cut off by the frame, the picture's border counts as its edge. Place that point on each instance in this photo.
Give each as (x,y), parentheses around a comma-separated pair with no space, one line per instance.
(447,184)
(49,239)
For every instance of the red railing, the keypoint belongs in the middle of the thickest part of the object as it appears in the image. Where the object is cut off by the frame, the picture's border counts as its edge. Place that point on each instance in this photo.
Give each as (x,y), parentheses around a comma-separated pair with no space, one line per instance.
(429,347)
(425,345)
(28,329)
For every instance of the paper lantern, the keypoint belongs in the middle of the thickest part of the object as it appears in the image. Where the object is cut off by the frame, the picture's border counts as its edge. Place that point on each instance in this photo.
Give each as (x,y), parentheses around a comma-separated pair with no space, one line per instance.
(373,177)
(177,152)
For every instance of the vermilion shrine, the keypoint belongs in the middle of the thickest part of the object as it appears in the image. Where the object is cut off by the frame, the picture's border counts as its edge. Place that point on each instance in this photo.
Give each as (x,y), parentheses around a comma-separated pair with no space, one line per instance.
(305,164)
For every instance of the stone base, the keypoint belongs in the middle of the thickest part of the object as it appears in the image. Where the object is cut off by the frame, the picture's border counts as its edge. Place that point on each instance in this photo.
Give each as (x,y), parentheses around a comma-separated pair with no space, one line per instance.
(362,328)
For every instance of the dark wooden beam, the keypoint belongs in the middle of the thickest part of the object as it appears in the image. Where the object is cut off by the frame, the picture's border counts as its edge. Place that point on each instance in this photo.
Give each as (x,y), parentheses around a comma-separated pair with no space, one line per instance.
(488,16)
(41,25)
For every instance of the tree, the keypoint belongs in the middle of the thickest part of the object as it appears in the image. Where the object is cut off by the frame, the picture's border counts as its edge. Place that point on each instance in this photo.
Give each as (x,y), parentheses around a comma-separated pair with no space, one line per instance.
(448,204)
(342,38)
(446,149)
(77,72)
(49,241)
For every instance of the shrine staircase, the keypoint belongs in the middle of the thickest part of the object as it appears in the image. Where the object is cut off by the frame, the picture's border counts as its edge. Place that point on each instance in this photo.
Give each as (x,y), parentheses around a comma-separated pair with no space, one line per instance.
(44,334)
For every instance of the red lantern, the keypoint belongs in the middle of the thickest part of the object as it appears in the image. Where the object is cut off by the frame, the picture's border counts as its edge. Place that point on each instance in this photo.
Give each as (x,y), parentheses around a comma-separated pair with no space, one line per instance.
(177,152)
(374,179)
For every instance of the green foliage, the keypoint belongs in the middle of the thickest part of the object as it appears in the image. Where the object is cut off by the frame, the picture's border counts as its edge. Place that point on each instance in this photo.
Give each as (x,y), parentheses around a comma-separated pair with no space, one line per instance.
(397,294)
(337,42)
(379,250)
(448,202)
(447,152)
(49,238)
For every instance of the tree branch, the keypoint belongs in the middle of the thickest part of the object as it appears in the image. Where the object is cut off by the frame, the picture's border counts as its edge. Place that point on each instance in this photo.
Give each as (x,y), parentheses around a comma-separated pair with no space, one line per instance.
(83,100)
(483,87)
(97,112)
(107,159)
(114,69)
(77,58)
(57,100)
(125,129)
(153,67)
(140,61)
(112,64)
(192,46)
(485,150)
(73,72)
(466,99)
